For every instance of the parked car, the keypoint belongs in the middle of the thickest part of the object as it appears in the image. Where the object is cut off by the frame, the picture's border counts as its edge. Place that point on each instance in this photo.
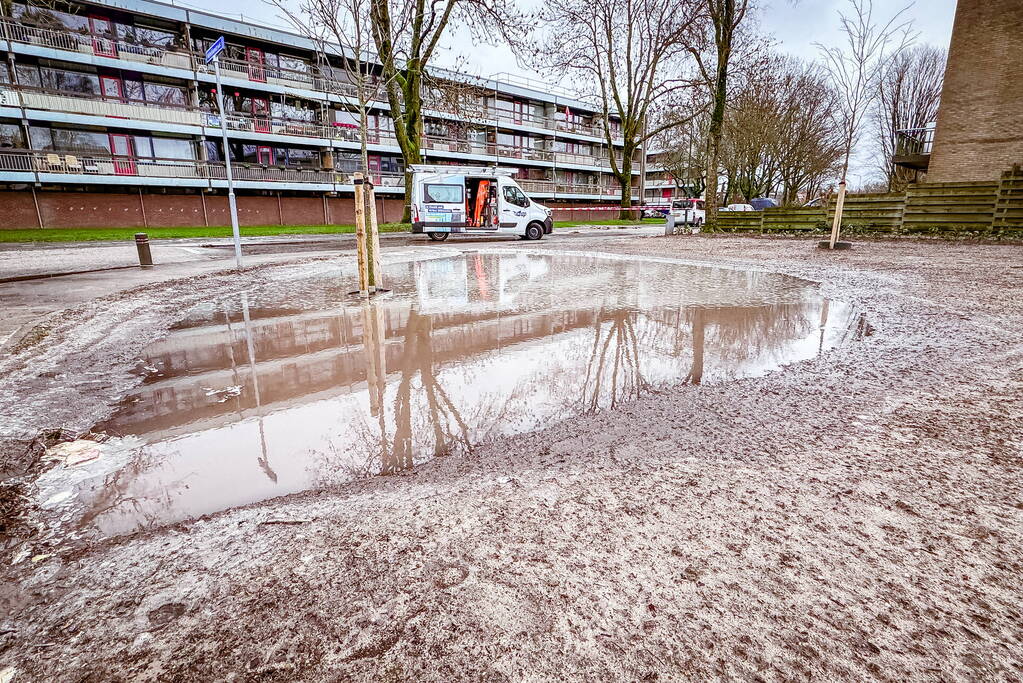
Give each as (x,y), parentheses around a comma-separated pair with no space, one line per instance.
(738,207)
(655,212)
(761,203)
(689,212)
(814,203)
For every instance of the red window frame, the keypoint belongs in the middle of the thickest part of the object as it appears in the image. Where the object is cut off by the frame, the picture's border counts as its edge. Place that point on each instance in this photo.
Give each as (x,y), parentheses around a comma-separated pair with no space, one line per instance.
(256,59)
(104,81)
(124,163)
(268,152)
(261,121)
(101,44)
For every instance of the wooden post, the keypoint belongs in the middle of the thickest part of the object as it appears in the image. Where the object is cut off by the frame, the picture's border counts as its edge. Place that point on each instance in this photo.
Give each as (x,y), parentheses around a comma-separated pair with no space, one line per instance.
(142,206)
(836,225)
(360,234)
(35,201)
(373,239)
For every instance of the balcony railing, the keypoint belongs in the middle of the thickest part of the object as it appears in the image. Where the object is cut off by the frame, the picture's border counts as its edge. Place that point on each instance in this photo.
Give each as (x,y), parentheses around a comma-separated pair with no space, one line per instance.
(914,141)
(96,105)
(552,187)
(104,165)
(90,44)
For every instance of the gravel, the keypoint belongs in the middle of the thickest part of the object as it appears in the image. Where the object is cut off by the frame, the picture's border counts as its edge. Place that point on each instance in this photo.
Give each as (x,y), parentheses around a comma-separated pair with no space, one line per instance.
(854,516)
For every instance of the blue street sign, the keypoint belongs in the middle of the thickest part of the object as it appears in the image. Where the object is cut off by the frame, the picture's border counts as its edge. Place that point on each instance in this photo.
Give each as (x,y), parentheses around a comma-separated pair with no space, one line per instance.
(215,49)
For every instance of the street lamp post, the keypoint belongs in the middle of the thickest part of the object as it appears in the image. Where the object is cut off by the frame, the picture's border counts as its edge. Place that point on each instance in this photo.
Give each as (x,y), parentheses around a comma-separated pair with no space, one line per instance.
(213,55)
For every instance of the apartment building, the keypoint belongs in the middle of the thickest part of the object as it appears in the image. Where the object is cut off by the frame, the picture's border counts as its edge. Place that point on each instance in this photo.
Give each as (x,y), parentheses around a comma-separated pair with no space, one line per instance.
(113,99)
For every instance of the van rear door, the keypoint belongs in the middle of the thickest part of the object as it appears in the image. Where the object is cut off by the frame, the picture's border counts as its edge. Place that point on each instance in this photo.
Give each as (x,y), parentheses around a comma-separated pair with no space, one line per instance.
(442,201)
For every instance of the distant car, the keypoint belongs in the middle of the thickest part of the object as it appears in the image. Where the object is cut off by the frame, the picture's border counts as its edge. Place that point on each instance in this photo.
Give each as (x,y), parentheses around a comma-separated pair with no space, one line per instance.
(813,203)
(689,212)
(738,207)
(761,203)
(655,212)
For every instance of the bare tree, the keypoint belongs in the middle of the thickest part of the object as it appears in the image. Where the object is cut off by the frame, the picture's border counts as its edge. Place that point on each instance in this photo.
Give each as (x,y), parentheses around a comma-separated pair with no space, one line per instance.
(407,35)
(713,50)
(779,135)
(681,150)
(341,28)
(909,92)
(626,56)
(856,69)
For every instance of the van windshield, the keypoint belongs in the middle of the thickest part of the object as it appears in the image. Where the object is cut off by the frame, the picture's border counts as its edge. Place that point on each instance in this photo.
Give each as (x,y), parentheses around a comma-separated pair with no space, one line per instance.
(682,204)
(443,194)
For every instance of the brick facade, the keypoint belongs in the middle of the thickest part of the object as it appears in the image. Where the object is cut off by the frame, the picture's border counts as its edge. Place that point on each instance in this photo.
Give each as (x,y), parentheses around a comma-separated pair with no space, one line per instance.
(979,132)
(132,210)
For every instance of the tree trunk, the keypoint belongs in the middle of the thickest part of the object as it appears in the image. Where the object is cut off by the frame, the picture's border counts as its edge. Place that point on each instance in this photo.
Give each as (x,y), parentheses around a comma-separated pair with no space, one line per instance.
(717,120)
(625,181)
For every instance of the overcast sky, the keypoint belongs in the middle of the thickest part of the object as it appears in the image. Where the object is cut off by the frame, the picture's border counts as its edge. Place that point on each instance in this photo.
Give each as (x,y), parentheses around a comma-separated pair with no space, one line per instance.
(795,24)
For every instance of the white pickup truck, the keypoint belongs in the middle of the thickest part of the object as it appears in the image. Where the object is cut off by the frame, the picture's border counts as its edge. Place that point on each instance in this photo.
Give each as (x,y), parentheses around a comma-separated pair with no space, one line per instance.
(475,200)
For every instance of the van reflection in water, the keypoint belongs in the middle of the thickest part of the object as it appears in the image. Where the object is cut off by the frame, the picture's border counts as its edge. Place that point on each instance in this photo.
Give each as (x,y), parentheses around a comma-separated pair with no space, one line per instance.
(256,399)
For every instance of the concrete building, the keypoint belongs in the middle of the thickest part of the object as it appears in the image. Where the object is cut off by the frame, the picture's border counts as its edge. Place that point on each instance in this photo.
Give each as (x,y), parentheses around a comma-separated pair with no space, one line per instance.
(112,99)
(979,131)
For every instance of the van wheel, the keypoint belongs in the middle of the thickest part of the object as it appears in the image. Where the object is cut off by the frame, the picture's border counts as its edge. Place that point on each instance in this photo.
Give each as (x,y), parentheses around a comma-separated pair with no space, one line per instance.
(438,236)
(534,231)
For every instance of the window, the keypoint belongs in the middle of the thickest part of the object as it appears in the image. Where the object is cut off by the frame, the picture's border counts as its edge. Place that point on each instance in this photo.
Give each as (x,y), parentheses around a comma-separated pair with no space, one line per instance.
(70,81)
(11,136)
(146,37)
(40,138)
(133,91)
(81,141)
(165,94)
(5,76)
(172,148)
(444,194)
(290,63)
(305,158)
(513,195)
(28,74)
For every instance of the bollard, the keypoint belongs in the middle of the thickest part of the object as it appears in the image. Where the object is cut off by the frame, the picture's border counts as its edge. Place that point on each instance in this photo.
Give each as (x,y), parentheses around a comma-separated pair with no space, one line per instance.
(142,244)
(669,225)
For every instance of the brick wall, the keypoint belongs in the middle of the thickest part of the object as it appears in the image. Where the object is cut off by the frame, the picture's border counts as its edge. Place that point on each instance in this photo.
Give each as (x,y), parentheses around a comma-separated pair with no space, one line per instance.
(131,210)
(979,130)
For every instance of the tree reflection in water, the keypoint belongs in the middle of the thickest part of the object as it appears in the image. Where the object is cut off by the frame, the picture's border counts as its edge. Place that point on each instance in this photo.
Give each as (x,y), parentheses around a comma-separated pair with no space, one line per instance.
(614,361)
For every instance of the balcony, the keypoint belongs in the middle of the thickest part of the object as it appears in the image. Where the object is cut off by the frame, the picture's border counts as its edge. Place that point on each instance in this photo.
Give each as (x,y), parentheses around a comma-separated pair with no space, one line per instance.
(559,188)
(62,163)
(89,44)
(94,105)
(913,148)
(314,79)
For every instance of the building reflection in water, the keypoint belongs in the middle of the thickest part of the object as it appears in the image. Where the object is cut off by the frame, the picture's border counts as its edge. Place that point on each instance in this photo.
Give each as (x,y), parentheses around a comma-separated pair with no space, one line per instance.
(257,399)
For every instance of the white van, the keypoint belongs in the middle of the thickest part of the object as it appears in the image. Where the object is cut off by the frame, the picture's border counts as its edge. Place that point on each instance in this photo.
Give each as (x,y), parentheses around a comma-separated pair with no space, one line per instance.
(476,200)
(689,212)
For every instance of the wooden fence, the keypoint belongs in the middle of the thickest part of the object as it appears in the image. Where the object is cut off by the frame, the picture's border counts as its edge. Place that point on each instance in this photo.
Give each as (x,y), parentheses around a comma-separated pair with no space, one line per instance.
(994,208)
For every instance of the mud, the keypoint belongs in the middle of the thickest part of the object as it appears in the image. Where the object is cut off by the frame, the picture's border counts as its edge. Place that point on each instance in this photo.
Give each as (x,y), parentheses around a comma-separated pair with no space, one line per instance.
(854,515)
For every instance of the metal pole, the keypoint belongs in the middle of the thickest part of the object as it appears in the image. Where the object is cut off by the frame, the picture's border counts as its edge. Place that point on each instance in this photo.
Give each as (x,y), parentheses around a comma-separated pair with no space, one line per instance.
(227,166)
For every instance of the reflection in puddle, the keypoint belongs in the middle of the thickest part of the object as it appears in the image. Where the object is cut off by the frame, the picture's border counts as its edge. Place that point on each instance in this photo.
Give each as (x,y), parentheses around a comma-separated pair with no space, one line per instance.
(250,400)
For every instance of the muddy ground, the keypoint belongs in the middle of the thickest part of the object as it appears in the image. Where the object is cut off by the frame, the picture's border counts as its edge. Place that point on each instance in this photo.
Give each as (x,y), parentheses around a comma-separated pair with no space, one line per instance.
(855,516)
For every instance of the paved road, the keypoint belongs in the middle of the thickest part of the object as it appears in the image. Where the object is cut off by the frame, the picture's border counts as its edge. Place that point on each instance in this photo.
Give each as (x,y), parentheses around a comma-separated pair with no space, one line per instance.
(25,302)
(38,258)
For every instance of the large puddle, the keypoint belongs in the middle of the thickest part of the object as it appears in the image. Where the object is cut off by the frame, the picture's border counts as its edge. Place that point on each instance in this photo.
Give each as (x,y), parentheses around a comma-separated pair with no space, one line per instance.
(250,398)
